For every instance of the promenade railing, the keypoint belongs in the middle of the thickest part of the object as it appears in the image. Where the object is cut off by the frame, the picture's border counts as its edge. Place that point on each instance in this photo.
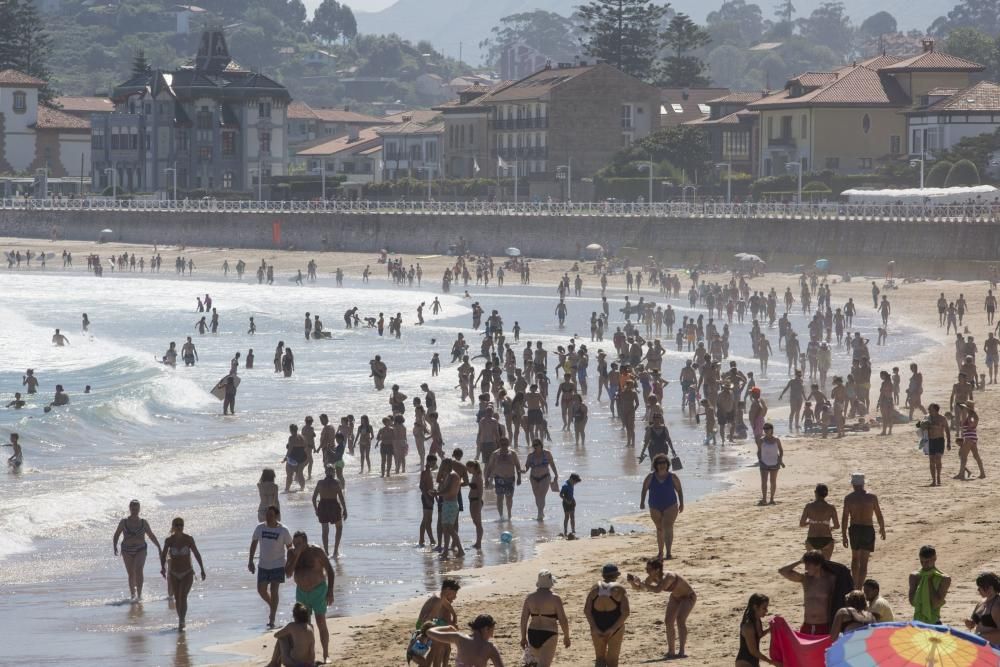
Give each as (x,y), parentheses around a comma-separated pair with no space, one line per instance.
(945,213)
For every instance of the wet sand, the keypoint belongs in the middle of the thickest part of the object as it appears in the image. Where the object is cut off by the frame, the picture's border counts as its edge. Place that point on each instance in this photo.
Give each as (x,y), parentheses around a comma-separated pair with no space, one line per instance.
(725,545)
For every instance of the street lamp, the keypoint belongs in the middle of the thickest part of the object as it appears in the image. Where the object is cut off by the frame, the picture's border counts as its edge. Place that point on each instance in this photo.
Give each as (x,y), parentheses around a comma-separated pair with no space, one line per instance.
(684,192)
(913,163)
(114,181)
(173,171)
(796,165)
(729,179)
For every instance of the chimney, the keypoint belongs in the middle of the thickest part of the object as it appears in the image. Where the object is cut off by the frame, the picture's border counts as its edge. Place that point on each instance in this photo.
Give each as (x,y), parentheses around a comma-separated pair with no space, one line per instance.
(686,93)
(928,44)
(347,107)
(352,134)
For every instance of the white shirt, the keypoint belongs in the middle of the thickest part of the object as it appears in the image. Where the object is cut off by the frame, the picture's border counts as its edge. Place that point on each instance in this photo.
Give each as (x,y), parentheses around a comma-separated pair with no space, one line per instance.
(273,543)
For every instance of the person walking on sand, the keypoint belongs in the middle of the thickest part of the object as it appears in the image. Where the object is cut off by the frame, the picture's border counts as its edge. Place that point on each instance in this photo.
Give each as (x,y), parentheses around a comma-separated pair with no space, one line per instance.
(666,502)
(861,509)
(821,518)
(770,455)
(178,548)
(133,529)
(938,438)
(606,610)
(274,540)
(330,506)
(969,442)
(472,650)
(542,614)
(314,578)
(295,459)
(928,588)
(537,465)
(679,604)
(752,631)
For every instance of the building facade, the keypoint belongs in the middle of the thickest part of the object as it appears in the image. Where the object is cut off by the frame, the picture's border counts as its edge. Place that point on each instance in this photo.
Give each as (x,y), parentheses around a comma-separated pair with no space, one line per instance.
(412,149)
(308,126)
(731,129)
(849,119)
(945,116)
(213,125)
(36,136)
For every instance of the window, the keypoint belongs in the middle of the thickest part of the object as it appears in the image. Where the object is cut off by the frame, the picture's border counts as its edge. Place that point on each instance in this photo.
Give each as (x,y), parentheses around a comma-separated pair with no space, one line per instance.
(97,138)
(626,139)
(805,163)
(833,163)
(677,108)
(114,139)
(895,144)
(461,136)
(431,152)
(228,143)
(416,152)
(704,109)
(265,142)
(803,130)
(182,140)
(204,119)
(133,139)
(735,144)
(626,116)
(786,127)
(866,123)
(864,163)
(204,153)
(20,101)
(264,109)
(770,128)
(472,140)
(147,108)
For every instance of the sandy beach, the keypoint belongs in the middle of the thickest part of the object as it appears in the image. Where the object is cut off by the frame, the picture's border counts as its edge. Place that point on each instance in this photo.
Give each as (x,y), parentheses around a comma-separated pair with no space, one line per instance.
(726,546)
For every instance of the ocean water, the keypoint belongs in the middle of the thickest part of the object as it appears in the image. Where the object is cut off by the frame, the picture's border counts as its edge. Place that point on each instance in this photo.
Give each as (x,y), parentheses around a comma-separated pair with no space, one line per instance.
(149,432)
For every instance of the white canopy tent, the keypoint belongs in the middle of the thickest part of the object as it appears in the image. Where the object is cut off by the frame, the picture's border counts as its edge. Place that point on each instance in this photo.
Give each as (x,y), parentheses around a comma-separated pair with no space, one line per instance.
(975,194)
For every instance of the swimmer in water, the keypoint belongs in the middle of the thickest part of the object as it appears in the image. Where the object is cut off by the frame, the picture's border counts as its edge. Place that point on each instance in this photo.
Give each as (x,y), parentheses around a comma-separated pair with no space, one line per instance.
(170,357)
(18,457)
(30,380)
(17,403)
(61,340)
(61,397)
(86,323)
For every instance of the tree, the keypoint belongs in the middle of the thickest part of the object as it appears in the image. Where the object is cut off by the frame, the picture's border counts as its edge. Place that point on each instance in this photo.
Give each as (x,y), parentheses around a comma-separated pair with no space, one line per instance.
(684,147)
(936,177)
(963,173)
(880,23)
(981,14)
(726,66)
(623,33)
(736,22)
(139,64)
(783,27)
(682,69)
(332,21)
(974,45)
(24,44)
(348,24)
(829,26)
(546,32)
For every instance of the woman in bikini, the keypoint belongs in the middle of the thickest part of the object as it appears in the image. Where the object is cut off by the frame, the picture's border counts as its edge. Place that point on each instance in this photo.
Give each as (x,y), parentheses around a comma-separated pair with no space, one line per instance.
(886,404)
(365,436)
(752,631)
(970,441)
(679,604)
(517,416)
(985,619)
(538,464)
(267,488)
(541,617)
(666,501)
(476,500)
(578,410)
(419,428)
(177,548)
(134,529)
(607,610)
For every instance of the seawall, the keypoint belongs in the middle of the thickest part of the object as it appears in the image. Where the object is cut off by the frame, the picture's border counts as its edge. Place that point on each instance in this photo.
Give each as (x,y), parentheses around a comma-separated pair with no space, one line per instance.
(928,249)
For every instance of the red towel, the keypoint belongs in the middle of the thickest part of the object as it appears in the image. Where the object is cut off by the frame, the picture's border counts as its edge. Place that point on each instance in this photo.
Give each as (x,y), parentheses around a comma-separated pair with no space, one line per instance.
(795,649)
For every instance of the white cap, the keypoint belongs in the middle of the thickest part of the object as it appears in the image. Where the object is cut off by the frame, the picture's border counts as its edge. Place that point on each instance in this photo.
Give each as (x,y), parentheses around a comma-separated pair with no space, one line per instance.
(858,479)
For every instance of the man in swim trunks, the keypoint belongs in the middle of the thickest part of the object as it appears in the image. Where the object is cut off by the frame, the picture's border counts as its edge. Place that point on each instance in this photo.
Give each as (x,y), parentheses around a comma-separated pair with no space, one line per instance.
(439,612)
(59,339)
(330,507)
(313,582)
(487,436)
(505,468)
(817,588)
(449,488)
(188,352)
(938,437)
(818,516)
(274,540)
(856,522)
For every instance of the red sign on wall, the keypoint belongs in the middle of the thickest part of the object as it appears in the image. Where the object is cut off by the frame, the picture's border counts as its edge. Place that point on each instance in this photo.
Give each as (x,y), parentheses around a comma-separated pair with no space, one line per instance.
(276,233)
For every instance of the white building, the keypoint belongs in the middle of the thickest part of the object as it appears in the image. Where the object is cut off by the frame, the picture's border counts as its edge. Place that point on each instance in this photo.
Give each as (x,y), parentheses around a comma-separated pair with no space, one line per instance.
(945,116)
(36,136)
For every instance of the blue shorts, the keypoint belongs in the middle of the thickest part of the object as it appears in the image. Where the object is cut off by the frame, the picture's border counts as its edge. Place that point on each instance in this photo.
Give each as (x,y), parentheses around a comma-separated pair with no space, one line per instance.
(270,576)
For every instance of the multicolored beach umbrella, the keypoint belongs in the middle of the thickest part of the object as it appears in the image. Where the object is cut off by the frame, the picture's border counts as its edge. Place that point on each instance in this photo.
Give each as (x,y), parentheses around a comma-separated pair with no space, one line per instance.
(911,644)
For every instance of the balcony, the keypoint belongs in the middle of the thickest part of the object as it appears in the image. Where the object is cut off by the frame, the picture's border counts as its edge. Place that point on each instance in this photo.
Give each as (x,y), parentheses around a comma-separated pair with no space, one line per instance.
(524,153)
(539,123)
(785,141)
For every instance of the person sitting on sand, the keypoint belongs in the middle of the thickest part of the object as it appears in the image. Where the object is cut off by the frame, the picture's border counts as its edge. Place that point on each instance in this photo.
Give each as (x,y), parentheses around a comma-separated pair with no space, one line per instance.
(295,645)
(475,649)
(853,615)
(439,612)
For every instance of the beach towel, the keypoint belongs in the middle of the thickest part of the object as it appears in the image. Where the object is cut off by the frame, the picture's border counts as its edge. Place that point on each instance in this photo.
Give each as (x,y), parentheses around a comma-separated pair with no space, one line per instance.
(923,610)
(796,649)
(843,584)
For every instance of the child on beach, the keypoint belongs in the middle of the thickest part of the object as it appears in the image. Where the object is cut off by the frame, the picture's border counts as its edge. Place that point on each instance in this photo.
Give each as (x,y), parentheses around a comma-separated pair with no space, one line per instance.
(253,327)
(808,417)
(569,504)
(517,331)
(435,365)
(895,384)
(709,415)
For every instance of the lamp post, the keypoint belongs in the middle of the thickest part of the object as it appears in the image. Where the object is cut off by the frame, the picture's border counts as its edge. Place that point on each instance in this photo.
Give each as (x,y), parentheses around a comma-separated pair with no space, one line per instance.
(798,166)
(729,179)
(173,171)
(322,173)
(260,183)
(913,163)
(650,199)
(114,181)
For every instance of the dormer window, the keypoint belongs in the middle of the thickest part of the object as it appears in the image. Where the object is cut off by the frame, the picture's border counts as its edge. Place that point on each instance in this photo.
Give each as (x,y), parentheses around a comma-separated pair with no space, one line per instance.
(20,101)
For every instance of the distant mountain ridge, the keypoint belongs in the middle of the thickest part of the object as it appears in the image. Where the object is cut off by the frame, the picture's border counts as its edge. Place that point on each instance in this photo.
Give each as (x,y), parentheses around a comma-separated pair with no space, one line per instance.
(445,23)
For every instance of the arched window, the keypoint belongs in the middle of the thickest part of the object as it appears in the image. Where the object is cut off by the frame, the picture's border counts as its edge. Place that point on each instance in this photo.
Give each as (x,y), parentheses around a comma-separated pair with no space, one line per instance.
(866,123)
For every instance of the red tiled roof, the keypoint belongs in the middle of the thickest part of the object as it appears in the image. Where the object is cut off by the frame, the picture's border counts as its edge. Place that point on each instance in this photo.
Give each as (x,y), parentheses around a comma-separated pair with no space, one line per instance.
(854,86)
(11,77)
(413,127)
(815,79)
(880,61)
(418,115)
(342,116)
(53,119)
(934,61)
(367,138)
(983,96)
(84,104)
(536,85)
(738,97)
(298,110)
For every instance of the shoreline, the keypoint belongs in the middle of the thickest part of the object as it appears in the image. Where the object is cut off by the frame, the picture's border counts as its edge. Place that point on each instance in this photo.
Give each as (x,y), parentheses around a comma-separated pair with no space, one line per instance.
(714,532)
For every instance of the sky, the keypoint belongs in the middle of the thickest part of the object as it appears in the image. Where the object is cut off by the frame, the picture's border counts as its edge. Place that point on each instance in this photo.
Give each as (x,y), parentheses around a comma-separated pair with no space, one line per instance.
(356,5)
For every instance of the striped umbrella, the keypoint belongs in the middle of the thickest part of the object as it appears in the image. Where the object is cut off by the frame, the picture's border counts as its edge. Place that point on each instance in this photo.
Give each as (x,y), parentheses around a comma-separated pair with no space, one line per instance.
(912,644)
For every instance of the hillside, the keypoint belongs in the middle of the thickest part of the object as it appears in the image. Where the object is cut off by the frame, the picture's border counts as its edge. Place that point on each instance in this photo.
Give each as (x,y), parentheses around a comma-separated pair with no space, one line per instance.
(445,22)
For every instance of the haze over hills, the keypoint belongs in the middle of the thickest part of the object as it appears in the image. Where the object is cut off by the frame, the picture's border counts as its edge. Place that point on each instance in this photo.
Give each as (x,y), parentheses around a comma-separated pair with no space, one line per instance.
(445,23)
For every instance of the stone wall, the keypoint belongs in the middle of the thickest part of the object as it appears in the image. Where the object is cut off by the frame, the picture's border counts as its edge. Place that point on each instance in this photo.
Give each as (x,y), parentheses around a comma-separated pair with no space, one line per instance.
(930,250)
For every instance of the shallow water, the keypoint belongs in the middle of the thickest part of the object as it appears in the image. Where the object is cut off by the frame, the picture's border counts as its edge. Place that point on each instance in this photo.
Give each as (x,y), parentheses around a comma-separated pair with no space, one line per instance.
(154,433)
